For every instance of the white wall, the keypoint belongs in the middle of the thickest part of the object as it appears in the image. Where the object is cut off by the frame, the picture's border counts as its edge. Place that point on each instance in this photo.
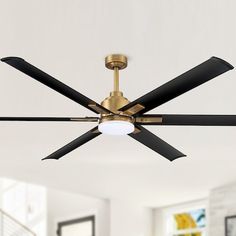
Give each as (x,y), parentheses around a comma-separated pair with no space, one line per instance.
(222,203)
(65,206)
(159,222)
(113,218)
(128,219)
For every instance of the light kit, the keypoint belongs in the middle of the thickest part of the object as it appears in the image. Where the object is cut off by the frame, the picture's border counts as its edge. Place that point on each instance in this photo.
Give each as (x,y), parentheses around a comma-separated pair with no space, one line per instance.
(119,116)
(116,127)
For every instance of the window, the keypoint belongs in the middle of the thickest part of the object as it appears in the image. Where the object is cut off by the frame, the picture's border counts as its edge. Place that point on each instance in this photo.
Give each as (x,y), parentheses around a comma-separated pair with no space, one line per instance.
(78,227)
(26,203)
(187,222)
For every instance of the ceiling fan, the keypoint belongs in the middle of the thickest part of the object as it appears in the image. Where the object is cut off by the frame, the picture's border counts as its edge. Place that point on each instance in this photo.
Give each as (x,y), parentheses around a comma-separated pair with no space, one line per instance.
(118,116)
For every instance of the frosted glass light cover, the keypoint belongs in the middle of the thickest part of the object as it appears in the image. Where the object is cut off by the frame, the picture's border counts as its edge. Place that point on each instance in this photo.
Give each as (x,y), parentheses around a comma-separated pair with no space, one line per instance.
(116,127)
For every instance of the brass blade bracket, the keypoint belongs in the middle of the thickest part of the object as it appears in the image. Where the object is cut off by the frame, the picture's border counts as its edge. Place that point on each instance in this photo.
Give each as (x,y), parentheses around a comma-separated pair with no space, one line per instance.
(99,109)
(133,110)
(85,119)
(145,120)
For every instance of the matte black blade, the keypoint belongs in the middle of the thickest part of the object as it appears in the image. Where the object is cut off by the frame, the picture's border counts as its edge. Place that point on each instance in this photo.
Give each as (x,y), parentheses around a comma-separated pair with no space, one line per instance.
(191,120)
(56,119)
(91,134)
(156,144)
(183,83)
(53,83)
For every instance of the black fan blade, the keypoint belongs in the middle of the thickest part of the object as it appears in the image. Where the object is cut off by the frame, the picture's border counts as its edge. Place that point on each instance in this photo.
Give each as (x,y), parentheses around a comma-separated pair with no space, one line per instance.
(53,83)
(73,119)
(91,134)
(183,83)
(191,120)
(156,144)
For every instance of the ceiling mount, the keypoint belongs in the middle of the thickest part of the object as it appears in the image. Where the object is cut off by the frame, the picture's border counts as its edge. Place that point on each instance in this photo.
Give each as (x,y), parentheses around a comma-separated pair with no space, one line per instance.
(116,61)
(118,116)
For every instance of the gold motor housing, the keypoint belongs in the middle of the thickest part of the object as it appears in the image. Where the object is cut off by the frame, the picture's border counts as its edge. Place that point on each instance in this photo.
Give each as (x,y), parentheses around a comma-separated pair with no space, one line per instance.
(115,101)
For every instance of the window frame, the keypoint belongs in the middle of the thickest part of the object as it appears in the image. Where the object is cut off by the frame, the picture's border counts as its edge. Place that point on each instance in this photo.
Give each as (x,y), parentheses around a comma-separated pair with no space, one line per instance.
(76,221)
(227,218)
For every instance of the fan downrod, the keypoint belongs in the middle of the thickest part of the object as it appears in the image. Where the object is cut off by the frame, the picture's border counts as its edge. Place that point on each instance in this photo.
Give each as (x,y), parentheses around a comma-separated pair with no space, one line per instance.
(116,99)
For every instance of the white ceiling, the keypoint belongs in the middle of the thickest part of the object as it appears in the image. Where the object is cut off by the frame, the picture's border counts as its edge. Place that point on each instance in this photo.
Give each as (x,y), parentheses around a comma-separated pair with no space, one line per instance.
(69,40)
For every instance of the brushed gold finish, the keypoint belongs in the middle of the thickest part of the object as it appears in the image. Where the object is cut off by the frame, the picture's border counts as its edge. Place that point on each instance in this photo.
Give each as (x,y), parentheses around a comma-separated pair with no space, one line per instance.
(133,110)
(116,79)
(115,101)
(98,109)
(148,119)
(112,117)
(116,60)
(117,117)
(85,119)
